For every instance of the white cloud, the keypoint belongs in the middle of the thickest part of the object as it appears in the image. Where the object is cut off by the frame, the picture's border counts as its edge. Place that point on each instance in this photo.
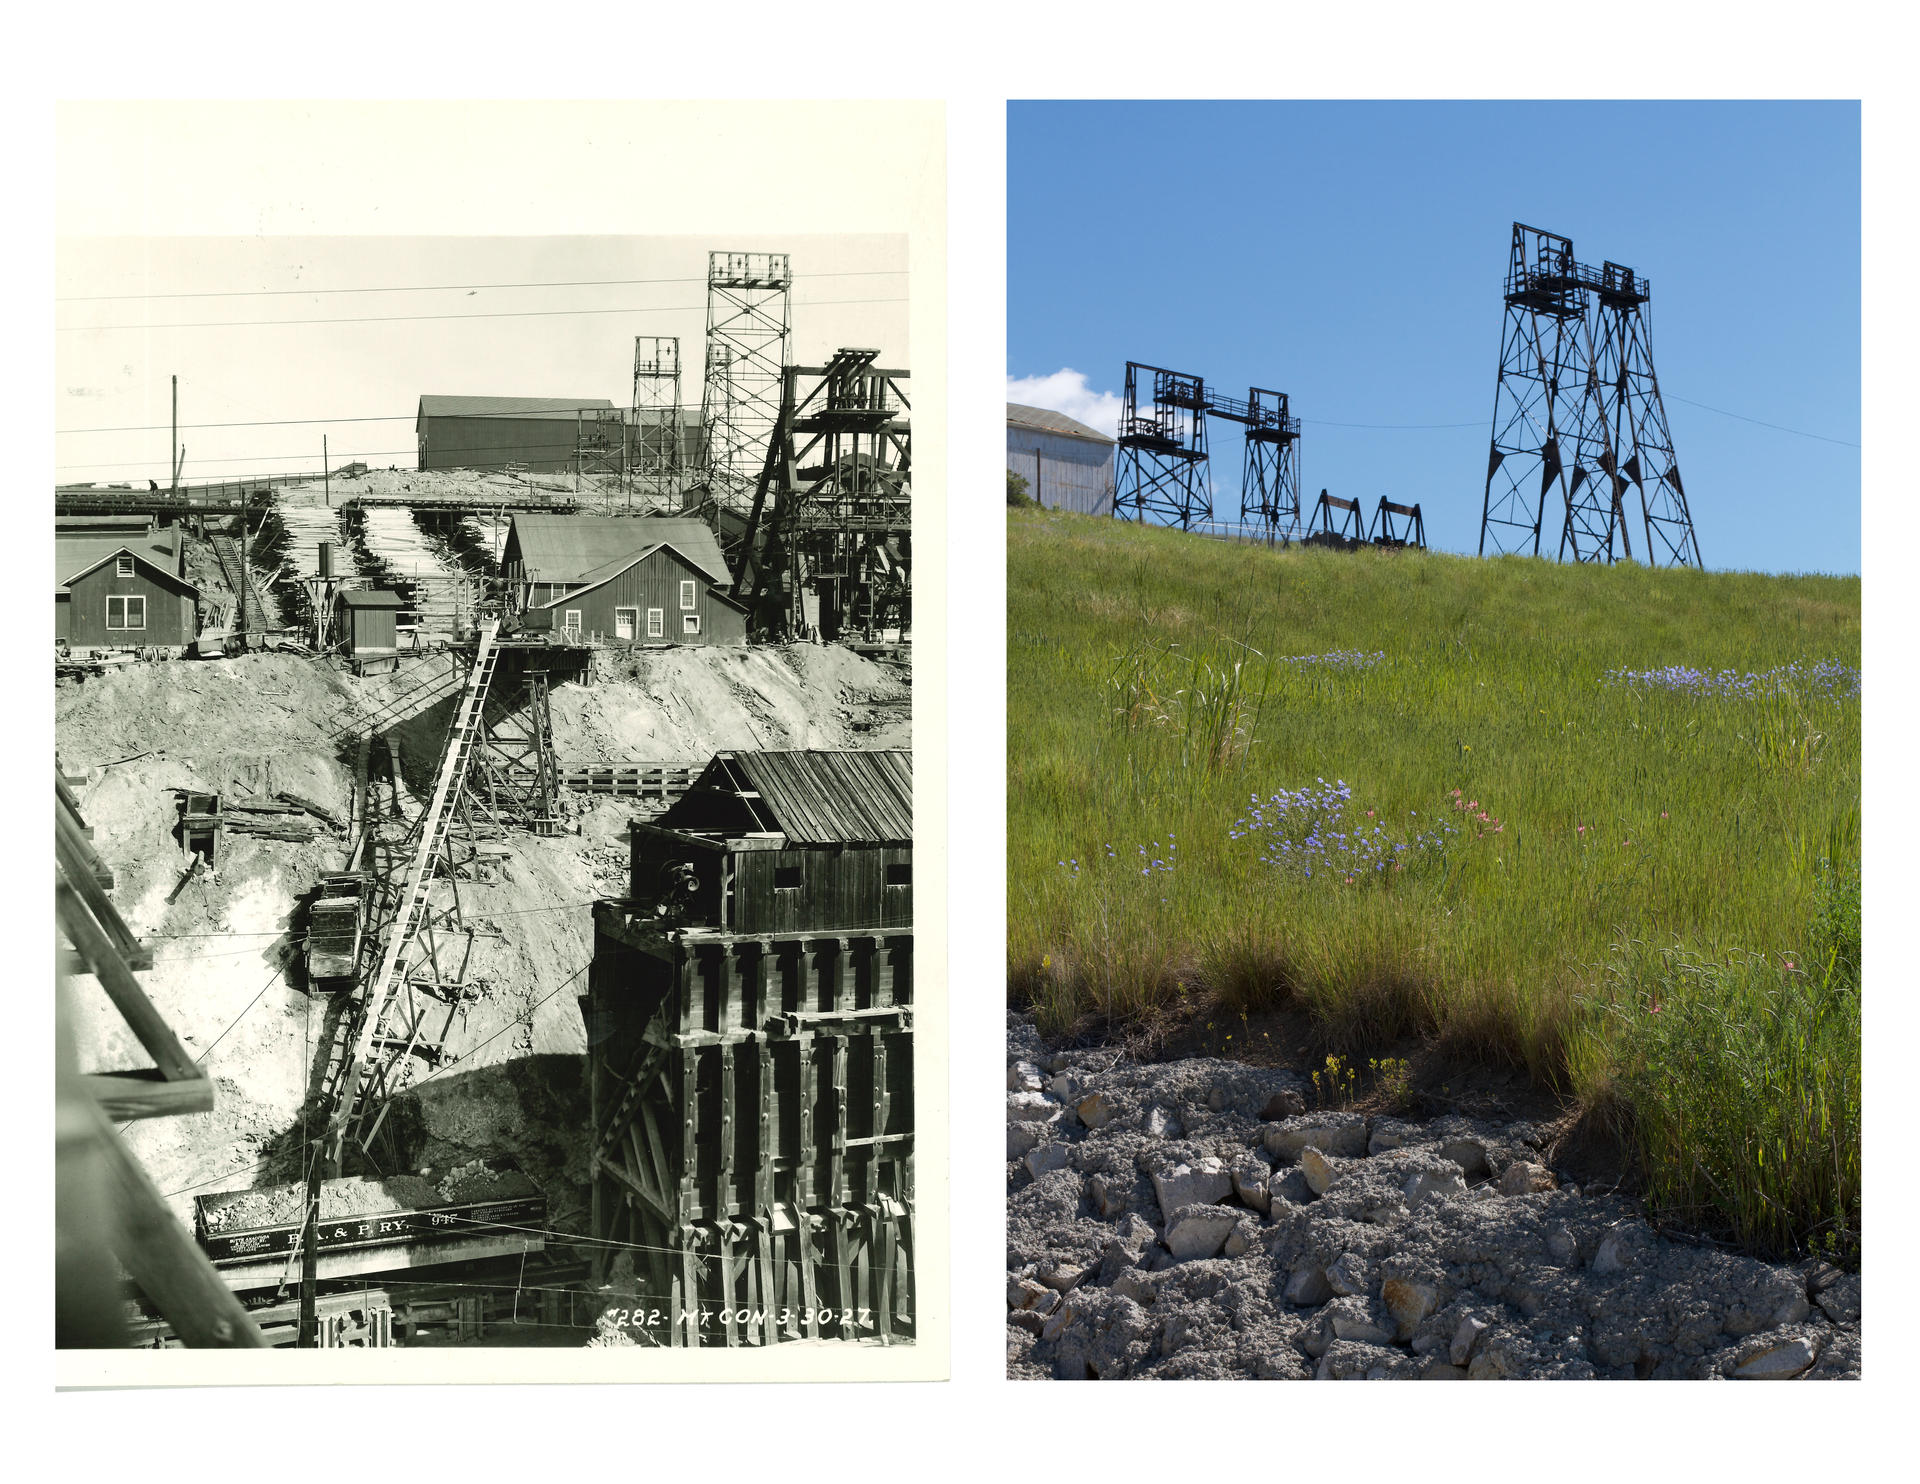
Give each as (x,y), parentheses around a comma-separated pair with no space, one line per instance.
(1067,391)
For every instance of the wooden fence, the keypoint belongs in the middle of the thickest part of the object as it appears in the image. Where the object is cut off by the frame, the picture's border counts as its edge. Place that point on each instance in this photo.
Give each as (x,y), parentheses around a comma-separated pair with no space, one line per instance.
(661,781)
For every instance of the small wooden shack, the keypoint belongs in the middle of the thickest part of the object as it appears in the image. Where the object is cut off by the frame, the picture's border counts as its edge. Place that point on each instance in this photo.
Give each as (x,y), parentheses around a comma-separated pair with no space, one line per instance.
(750,1037)
(367,621)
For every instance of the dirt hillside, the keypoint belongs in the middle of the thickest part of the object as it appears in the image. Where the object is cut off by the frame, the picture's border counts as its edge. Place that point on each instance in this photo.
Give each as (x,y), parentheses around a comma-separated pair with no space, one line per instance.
(227,971)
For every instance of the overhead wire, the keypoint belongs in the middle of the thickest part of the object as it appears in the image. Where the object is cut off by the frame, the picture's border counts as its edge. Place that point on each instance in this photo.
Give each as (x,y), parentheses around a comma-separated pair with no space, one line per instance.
(437,288)
(370,319)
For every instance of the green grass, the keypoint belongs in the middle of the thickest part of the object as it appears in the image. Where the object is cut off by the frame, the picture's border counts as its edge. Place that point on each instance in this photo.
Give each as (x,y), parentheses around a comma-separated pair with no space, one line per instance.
(1147,703)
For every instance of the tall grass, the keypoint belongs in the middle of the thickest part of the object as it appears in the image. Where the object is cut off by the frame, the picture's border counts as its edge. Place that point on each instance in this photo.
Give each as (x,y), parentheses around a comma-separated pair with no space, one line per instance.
(1156,691)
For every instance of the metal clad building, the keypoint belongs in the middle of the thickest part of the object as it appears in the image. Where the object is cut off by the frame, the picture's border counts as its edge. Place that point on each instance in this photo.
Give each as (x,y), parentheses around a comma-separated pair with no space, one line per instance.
(491,432)
(1066,464)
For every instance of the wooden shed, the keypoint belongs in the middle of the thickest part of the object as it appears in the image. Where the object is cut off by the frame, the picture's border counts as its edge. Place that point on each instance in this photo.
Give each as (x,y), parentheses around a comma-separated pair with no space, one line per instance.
(367,621)
(116,587)
(750,1040)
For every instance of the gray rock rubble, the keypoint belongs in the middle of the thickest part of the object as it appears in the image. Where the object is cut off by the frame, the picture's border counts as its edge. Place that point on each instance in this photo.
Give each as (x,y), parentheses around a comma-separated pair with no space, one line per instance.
(1189,1220)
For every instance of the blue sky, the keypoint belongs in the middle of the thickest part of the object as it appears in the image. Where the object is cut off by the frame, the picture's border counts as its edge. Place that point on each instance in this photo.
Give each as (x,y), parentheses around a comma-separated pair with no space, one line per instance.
(1351,255)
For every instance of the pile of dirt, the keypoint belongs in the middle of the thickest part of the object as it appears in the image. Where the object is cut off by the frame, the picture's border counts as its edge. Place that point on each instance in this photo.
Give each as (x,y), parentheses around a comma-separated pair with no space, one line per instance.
(683,705)
(1189,1219)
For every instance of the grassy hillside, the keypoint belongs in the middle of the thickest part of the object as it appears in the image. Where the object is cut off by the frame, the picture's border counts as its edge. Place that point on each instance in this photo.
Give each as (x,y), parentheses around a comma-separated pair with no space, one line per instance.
(1415,794)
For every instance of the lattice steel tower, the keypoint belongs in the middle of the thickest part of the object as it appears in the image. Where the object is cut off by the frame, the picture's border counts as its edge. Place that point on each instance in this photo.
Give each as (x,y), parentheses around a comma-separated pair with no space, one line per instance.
(748,327)
(1577,414)
(1637,418)
(1162,453)
(657,453)
(1270,472)
(1542,380)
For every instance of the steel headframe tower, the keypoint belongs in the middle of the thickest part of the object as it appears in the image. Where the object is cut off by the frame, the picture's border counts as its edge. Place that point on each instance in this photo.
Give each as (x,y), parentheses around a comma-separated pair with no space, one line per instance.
(657,461)
(1542,382)
(1576,389)
(749,322)
(1162,451)
(1636,418)
(1270,475)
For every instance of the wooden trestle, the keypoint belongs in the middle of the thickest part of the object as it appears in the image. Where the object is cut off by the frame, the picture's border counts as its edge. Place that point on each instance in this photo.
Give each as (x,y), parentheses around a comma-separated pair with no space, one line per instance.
(753,1113)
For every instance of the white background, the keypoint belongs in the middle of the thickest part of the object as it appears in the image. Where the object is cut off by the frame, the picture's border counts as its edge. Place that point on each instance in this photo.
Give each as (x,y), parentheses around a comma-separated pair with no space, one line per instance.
(974,57)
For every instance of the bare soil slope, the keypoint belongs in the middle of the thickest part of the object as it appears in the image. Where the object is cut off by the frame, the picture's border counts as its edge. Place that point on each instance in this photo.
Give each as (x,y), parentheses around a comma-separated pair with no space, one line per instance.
(227,972)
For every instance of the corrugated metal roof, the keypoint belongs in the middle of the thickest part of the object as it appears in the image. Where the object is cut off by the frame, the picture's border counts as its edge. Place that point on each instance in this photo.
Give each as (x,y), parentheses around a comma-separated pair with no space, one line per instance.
(834,798)
(74,553)
(1049,421)
(549,407)
(814,798)
(587,548)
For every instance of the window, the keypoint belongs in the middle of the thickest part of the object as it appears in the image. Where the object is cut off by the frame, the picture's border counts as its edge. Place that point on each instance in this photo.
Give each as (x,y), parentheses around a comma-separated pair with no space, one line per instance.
(900,873)
(572,617)
(656,624)
(686,595)
(126,613)
(690,623)
(123,566)
(786,878)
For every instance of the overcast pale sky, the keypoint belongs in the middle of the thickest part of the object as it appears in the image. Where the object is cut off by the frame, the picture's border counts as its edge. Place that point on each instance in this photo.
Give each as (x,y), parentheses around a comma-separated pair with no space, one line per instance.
(383,350)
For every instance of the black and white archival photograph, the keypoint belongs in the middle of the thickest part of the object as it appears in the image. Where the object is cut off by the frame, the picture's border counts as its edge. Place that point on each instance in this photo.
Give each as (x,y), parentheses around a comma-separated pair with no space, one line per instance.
(485,769)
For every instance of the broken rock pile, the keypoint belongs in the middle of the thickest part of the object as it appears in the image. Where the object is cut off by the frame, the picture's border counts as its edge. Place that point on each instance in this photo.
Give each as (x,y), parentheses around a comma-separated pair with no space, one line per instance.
(1192,1219)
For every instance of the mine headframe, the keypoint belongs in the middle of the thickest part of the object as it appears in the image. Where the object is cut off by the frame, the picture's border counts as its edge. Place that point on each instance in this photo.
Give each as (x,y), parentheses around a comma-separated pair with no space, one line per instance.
(1163,471)
(1398,525)
(827,545)
(1162,449)
(1577,415)
(1270,472)
(1342,532)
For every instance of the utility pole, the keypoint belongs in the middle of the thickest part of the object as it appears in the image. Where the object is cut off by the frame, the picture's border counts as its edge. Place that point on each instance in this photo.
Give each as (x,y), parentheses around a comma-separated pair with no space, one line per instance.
(308,1337)
(173,442)
(243,565)
(326,472)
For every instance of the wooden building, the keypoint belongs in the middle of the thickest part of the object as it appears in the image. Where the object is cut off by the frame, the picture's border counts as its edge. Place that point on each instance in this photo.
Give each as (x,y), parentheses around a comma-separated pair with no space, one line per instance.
(368,623)
(1066,464)
(642,580)
(119,583)
(750,1049)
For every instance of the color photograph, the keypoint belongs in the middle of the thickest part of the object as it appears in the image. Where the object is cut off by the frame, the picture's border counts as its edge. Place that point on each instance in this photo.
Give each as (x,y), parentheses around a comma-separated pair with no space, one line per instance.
(1433,740)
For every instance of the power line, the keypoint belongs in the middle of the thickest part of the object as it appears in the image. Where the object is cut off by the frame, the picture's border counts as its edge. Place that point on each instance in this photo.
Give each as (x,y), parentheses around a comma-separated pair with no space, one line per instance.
(1797,432)
(233,324)
(1328,423)
(431,288)
(543,414)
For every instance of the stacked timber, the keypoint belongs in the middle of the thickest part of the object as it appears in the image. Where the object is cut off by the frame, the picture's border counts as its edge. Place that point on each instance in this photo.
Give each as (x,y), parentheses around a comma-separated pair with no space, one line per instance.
(442,596)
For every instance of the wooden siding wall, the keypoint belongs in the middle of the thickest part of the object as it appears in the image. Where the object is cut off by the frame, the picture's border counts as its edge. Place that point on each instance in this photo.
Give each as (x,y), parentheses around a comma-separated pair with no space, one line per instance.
(170,612)
(653,583)
(840,887)
(373,630)
(1062,473)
